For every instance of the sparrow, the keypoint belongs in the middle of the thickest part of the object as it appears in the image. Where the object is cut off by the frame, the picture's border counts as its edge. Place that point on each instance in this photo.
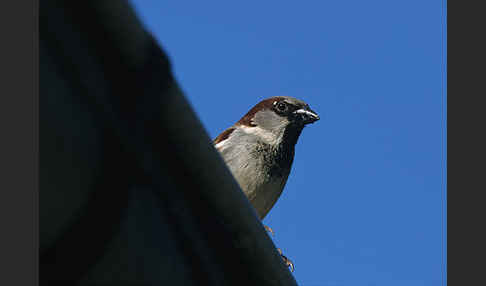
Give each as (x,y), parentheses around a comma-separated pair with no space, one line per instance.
(259,148)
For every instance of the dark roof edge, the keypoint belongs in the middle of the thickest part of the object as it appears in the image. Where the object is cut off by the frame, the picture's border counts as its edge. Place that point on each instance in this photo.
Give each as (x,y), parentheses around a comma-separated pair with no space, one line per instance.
(175,133)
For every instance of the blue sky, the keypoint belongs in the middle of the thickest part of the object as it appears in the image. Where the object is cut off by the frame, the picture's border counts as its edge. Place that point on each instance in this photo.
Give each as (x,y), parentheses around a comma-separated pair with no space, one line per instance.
(365,201)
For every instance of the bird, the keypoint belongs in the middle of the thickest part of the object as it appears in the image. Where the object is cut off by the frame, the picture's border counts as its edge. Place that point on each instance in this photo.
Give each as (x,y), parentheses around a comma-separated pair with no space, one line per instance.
(259,149)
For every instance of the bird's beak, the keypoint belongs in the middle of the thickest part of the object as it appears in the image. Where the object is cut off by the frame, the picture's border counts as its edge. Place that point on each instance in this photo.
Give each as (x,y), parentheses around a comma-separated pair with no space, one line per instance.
(306,115)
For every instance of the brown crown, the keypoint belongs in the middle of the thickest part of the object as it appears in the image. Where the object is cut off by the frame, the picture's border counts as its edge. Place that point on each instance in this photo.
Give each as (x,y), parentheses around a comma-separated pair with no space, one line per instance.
(262,105)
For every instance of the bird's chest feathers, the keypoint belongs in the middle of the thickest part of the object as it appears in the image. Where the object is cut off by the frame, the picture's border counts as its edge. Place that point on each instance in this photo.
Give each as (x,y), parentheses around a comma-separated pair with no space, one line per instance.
(260,166)
(264,176)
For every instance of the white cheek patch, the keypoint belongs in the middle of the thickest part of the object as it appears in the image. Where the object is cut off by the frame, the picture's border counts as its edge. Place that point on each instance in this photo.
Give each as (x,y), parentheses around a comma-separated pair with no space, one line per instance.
(267,136)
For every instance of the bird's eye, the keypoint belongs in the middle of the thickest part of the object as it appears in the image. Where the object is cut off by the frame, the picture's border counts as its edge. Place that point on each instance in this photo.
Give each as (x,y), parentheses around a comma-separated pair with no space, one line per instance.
(281,106)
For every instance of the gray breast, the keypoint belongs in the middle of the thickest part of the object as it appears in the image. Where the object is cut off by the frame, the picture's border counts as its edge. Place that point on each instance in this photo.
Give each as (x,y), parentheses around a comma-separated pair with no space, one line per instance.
(260,170)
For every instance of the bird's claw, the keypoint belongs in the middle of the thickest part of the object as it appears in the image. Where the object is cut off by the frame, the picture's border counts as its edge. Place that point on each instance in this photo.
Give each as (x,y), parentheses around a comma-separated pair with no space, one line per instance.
(287,261)
(270,230)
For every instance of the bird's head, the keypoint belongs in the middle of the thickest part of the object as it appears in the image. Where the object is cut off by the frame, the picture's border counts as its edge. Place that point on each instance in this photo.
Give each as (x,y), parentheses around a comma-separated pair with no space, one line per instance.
(278,119)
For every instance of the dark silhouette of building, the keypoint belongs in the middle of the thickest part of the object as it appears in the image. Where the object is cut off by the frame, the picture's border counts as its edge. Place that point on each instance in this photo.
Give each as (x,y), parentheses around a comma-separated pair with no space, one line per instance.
(132,191)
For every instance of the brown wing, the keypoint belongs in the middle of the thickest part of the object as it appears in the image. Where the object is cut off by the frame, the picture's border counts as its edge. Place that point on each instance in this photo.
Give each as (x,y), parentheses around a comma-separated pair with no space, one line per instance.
(224,135)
